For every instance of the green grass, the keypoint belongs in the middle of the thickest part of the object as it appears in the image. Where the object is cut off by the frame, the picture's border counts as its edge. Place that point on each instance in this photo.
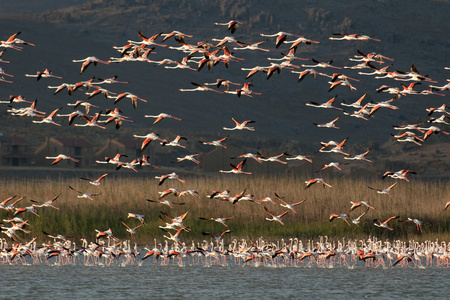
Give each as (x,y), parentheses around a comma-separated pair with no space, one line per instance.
(78,218)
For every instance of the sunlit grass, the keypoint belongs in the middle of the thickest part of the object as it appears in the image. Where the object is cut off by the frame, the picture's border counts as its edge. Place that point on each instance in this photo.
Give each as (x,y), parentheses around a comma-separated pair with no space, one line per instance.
(79,218)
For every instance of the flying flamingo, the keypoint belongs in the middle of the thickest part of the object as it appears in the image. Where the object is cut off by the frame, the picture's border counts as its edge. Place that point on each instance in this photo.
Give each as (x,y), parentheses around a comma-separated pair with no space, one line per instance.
(217,238)
(218,220)
(132,231)
(319,64)
(95,182)
(384,191)
(190,157)
(241,126)
(147,41)
(281,37)
(165,202)
(276,218)
(316,180)
(233,25)
(89,60)
(164,177)
(200,88)
(60,157)
(216,143)
(331,124)
(344,217)
(327,104)
(48,203)
(384,224)
(43,74)
(133,98)
(360,203)
(287,205)
(148,138)
(254,46)
(175,142)
(92,122)
(49,119)
(415,221)
(174,33)
(353,36)
(86,105)
(236,169)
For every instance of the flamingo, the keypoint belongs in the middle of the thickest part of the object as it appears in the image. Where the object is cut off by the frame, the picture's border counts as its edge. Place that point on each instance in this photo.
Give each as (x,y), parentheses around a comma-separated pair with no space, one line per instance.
(332,164)
(353,36)
(175,142)
(88,61)
(132,231)
(218,220)
(334,84)
(60,157)
(216,143)
(136,216)
(310,182)
(92,122)
(164,177)
(287,205)
(384,224)
(227,39)
(110,80)
(165,202)
(233,25)
(276,218)
(384,191)
(281,37)
(49,203)
(344,217)
(217,238)
(43,74)
(162,116)
(401,174)
(275,158)
(174,33)
(319,64)
(49,119)
(236,169)
(241,126)
(133,98)
(369,57)
(361,156)
(190,157)
(95,182)
(358,219)
(331,124)
(148,138)
(360,203)
(169,191)
(305,72)
(254,70)
(147,41)
(249,155)
(415,221)
(200,88)
(300,40)
(254,46)
(297,157)
(245,90)
(86,105)
(327,104)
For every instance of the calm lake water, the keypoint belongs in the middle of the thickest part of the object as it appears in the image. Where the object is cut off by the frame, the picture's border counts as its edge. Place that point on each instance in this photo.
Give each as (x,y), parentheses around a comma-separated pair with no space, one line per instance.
(153,281)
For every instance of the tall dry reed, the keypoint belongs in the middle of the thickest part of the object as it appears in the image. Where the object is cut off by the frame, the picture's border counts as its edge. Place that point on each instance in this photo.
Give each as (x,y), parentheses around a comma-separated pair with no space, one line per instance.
(79,218)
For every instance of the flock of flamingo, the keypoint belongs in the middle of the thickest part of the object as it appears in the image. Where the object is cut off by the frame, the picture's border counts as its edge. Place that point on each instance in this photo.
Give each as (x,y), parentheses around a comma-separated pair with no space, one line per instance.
(108,249)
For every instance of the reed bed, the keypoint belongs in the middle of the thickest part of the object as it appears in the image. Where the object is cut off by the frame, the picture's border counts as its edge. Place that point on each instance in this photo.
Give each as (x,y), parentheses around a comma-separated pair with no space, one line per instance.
(78,218)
